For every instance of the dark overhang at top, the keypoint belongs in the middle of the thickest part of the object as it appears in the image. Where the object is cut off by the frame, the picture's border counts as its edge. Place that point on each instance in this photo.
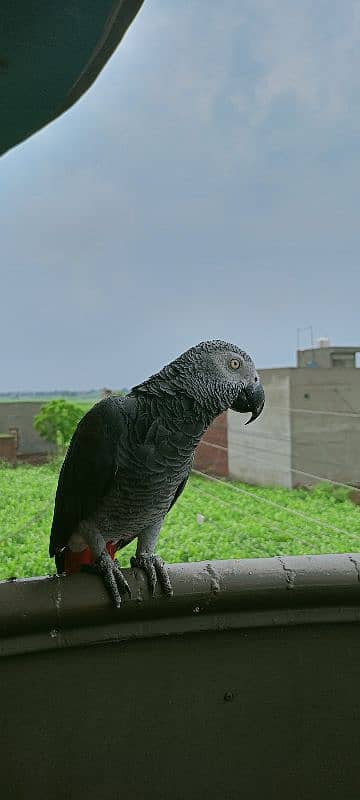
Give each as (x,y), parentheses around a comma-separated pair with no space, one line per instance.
(50,54)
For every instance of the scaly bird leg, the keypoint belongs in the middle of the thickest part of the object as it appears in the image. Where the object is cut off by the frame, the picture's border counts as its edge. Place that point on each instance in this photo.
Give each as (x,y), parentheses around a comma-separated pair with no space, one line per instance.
(104,566)
(152,564)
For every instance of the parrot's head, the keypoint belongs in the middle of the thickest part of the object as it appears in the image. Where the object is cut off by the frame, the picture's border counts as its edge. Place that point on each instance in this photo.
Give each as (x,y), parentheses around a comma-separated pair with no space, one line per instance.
(220,375)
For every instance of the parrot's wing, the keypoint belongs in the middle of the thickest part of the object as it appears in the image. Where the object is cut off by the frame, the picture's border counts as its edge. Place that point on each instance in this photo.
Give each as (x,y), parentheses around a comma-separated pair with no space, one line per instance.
(88,469)
(181,486)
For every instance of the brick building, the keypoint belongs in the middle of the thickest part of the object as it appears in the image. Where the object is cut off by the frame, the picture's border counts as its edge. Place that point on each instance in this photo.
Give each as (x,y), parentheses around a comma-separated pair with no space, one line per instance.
(8,447)
(16,423)
(212,452)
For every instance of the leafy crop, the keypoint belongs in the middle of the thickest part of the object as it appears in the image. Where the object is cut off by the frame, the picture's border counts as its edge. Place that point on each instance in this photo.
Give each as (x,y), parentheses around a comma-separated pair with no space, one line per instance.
(210,521)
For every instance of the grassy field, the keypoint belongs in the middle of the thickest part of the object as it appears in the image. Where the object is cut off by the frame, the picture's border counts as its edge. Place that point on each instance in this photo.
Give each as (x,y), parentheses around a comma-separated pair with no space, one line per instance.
(235,525)
(88,399)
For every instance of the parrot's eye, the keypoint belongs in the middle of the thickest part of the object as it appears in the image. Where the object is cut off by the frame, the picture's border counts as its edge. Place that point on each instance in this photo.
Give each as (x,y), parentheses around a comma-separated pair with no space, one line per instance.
(234,363)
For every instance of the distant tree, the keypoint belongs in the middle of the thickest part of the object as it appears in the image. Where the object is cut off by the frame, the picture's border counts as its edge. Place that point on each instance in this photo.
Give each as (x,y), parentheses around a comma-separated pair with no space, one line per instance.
(57,420)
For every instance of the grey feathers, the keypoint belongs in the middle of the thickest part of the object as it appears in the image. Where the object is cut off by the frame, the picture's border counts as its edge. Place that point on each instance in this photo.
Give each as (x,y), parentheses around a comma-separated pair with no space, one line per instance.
(130,458)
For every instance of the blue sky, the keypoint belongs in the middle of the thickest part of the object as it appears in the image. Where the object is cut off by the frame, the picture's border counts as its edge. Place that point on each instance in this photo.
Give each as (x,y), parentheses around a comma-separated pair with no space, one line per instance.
(207,186)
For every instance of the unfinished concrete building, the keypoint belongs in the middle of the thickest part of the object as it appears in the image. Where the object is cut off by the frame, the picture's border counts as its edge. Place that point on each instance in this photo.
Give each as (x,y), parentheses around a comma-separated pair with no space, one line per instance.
(310,426)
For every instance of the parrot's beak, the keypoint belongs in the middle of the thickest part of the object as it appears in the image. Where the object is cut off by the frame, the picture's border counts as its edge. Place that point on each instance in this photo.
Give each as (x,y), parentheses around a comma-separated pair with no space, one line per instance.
(252,398)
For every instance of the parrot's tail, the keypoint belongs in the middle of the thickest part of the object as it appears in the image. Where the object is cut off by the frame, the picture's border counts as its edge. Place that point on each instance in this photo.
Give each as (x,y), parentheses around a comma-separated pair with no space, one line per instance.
(69,562)
(60,561)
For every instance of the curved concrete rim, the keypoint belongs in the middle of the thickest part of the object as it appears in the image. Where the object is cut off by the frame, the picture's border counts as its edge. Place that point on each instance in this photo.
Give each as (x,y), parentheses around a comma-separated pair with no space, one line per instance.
(69,611)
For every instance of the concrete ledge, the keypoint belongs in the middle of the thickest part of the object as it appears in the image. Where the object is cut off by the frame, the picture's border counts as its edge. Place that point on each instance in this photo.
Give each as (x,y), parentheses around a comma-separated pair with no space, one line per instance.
(243,685)
(60,612)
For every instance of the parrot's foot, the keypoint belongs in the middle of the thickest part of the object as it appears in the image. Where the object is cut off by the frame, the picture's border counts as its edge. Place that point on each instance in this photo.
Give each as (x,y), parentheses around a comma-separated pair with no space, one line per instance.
(155,571)
(112,576)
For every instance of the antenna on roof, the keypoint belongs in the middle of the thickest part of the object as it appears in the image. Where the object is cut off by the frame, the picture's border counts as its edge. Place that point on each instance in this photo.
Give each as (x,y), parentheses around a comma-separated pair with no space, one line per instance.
(309,328)
(300,330)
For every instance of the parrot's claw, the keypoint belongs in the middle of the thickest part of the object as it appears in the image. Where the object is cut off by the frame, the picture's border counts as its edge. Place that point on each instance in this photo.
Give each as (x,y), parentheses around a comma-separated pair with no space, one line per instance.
(155,571)
(112,576)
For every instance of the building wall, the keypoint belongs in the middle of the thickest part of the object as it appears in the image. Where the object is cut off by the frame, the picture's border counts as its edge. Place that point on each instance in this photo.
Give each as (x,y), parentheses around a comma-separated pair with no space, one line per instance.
(289,444)
(324,444)
(20,415)
(261,452)
(8,448)
(211,453)
(328,357)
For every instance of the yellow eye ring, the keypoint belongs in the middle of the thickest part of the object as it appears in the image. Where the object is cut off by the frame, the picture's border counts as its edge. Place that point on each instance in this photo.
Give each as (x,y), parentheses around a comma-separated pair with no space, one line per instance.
(234,363)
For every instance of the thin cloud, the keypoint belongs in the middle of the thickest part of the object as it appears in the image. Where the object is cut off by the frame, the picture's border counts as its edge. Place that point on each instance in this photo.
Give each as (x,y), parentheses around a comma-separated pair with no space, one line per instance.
(206,186)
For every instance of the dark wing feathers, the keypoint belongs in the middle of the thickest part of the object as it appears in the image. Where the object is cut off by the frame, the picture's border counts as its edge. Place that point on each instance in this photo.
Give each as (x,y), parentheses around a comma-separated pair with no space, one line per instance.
(92,458)
(88,469)
(181,486)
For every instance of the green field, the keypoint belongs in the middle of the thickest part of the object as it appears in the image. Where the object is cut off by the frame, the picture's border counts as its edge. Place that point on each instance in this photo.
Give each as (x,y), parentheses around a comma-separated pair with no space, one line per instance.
(87,398)
(236,525)
(83,398)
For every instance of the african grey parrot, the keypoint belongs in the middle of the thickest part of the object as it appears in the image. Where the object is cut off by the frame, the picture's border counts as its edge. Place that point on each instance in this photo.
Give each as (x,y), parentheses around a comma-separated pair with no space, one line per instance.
(130,457)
